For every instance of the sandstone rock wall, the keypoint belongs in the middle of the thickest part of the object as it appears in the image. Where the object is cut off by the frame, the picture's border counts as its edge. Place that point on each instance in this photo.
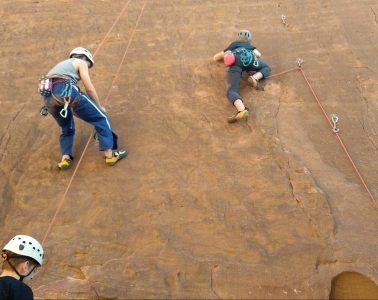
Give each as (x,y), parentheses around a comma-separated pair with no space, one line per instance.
(200,208)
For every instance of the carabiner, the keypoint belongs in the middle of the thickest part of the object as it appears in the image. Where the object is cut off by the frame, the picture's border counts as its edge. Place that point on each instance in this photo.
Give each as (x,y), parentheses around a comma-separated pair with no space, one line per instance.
(63,111)
(43,111)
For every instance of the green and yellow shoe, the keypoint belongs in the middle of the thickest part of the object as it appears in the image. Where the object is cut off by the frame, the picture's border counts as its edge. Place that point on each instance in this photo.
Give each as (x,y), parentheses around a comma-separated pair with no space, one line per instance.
(65,164)
(239,116)
(117,155)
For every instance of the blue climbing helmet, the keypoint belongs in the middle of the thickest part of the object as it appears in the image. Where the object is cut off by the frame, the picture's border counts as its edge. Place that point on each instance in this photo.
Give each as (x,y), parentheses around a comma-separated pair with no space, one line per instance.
(244,35)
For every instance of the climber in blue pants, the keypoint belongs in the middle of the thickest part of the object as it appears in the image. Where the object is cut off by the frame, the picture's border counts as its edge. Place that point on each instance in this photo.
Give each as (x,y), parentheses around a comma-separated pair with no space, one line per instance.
(241,56)
(64,99)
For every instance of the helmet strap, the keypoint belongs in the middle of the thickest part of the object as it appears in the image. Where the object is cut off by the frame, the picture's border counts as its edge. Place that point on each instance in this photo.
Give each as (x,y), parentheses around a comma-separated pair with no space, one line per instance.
(5,258)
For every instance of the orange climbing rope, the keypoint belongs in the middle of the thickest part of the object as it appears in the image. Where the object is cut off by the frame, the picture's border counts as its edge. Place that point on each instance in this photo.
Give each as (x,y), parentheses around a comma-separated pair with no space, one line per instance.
(111,28)
(285,72)
(374,202)
(60,204)
(371,197)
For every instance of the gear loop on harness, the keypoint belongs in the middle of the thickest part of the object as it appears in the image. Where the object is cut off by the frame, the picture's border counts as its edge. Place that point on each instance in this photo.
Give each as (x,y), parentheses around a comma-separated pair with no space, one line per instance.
(335,119)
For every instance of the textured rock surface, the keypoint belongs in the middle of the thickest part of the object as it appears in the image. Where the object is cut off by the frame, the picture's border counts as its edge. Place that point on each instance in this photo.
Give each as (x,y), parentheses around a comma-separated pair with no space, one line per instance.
(200,208)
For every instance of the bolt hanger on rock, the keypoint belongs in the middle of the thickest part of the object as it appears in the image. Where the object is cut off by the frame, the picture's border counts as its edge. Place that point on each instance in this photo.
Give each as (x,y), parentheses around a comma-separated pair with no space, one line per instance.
(284,20)
(300,62)
(335,119)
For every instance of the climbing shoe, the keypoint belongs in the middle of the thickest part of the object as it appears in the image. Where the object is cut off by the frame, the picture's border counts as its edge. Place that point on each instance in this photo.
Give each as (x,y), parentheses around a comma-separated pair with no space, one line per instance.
(117,155)
(65,164)
(253,82)
(240,115)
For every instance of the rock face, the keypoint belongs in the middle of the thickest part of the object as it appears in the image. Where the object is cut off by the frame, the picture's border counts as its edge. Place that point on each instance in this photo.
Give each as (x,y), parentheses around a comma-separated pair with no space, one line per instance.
(200,209)
(351,285)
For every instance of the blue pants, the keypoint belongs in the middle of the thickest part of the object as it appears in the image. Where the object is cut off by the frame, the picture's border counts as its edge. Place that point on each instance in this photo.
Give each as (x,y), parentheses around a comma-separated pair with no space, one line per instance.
(234,74)
(84,108)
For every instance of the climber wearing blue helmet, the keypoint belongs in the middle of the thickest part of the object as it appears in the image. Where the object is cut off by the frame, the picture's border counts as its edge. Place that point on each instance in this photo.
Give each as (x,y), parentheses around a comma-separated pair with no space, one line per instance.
(241,56)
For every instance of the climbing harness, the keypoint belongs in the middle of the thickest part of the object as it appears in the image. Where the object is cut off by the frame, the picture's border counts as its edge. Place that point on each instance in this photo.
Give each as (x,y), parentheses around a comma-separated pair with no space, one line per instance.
(335,119)
(45,86)
(246,57)
(66,96)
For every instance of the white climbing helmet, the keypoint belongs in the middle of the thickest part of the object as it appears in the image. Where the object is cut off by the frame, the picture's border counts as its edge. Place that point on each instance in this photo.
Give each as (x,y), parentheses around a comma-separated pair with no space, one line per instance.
(85,52)
(244,34)
(26,246)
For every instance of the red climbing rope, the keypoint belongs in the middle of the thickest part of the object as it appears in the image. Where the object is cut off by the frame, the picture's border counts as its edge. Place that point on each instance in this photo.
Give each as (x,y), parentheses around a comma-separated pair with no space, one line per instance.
(111,28)
(61,202)
(371,197)
(374,202)
(285,72)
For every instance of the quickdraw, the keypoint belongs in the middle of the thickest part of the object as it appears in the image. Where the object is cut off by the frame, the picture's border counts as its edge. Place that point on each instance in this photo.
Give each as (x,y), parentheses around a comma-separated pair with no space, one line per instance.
(45,89)
(335,119)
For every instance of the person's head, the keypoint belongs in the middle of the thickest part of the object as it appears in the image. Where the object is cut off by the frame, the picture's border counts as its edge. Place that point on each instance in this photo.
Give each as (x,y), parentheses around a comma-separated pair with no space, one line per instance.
(83,53)
(244,35)
(22,255)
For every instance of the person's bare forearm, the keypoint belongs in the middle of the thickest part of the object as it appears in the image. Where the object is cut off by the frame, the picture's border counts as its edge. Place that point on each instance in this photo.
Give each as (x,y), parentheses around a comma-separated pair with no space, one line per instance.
(93,95)
(219,56)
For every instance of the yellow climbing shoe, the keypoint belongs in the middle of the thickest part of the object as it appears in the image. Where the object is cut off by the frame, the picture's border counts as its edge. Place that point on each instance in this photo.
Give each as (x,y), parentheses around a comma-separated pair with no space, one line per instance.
(240,115)
(65,164)
(117,155)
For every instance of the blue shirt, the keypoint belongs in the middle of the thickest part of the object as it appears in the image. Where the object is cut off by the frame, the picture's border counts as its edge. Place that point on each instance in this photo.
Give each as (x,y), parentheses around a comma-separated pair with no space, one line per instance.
(13,289)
